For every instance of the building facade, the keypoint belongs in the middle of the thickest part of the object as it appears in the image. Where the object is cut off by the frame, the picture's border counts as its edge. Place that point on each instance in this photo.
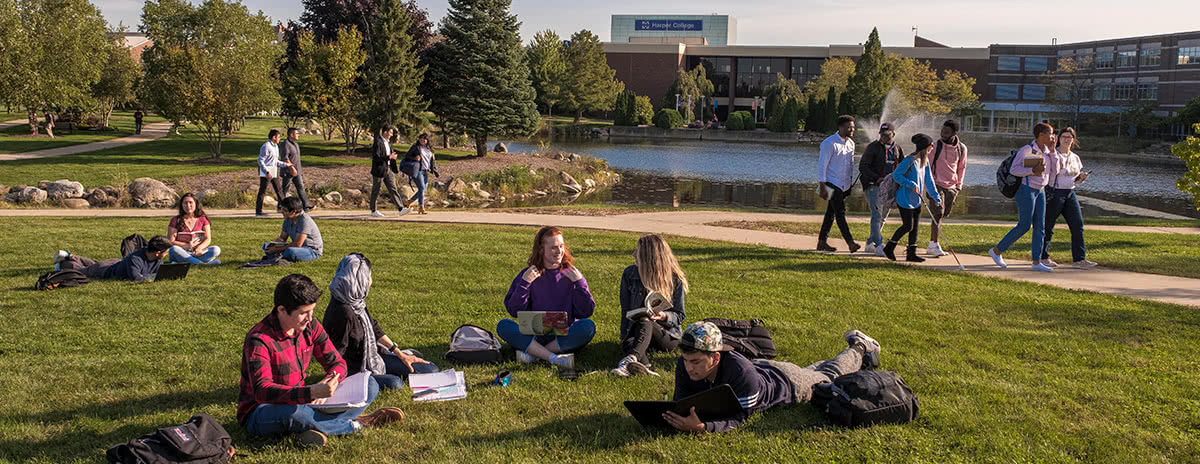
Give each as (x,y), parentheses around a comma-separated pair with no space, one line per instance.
(671,29)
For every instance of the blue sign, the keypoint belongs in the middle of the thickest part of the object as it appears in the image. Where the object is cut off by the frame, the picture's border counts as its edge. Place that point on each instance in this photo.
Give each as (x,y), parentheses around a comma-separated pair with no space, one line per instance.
(669,25)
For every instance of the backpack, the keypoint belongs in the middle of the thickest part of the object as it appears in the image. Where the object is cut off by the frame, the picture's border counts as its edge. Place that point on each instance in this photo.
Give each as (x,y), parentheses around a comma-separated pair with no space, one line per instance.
(1007,182)
(131,244)
(885,197)
(471,344)
(750,338)
(200,440)
(64,278)
(866,398)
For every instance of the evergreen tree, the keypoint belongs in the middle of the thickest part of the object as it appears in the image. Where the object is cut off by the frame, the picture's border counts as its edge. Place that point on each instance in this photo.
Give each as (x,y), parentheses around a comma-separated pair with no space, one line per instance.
(844,102)
(829,111)
(548,68)
(591,85)
(625,109)
(810,123)
(871,81)
(480,78)
(392,72)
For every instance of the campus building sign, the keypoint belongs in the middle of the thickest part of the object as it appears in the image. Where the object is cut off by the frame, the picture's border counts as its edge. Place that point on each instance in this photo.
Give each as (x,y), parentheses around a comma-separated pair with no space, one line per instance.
(669,25)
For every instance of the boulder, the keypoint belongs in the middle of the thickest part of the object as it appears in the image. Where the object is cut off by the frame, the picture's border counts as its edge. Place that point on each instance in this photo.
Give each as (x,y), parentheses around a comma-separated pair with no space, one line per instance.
(456,196)
(4,189)
(28,196)
(16,188)
(539,193)
(332,197)
(353,194)
(269,203)
(407,191)
(42,184)
(589,183)
(476,185)
(501,148)
(100,199)
(440,186)
(63,189)
(201,195)
(483,194)
(457,186)
(112,192)
(566,178)
(502,199)
(445,204)
(76,203)
(558,155)
(151,193)
(572,188)
(573,157)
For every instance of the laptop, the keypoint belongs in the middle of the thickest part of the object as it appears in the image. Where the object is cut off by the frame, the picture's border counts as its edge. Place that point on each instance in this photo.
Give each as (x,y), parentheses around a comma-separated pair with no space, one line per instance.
(172,271)
(716,402)
(543,322)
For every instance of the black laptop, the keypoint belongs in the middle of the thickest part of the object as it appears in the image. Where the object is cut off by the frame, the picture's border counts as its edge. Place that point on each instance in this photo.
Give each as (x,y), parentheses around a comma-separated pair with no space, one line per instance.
(172,271)
(716,402)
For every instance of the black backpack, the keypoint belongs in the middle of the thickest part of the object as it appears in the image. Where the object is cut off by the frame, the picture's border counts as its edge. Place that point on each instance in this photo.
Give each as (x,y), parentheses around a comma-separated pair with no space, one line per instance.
(750,338)
(131,244)
(471,344)
(64,278)
(201,440)
(866,398)
(1007,182)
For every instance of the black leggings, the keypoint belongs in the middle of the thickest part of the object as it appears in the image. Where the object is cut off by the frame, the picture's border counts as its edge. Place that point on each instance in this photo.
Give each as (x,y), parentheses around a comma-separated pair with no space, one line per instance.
(912,222)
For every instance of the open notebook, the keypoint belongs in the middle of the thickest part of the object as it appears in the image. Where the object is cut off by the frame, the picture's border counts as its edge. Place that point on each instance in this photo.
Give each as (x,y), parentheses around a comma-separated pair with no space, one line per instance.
(438,386)
(351,393)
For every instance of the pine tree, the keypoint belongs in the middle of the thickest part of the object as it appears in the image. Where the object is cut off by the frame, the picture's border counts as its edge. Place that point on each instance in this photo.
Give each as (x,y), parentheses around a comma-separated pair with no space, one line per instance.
(548,68)
(480,79)
(844,102)
(829,111)
(392,72)
(814,109)
(871,81)
(592,85)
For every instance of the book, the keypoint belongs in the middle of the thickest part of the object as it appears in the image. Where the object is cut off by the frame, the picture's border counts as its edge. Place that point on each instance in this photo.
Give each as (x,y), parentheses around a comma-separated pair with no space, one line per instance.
(351,393)
(543,322)
(1033,161)
(186,236)
(655,303)
(439,386)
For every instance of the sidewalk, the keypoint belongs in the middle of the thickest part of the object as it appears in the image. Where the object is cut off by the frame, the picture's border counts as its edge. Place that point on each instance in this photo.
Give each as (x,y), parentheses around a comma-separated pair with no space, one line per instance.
(149,132)
(1167,289)
(13,123)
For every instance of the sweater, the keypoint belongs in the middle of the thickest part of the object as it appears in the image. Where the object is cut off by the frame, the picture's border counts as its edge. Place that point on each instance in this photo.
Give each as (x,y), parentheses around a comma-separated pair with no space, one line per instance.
(633,296)
(347,333)
(914,180)
(134,267)
(551,291)
(1018,168)
(950,165)
(757,386)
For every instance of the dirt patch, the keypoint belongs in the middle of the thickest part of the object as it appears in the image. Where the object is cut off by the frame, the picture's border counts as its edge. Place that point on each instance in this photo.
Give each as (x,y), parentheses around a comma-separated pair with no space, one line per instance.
(211,161)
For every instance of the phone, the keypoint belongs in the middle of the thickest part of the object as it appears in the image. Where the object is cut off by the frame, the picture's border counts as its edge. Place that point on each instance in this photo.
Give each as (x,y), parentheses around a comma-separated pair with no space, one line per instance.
(1089,173)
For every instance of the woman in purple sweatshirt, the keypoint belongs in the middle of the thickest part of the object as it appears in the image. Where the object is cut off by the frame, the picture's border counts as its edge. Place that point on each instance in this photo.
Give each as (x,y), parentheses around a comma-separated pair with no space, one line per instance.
(550,283)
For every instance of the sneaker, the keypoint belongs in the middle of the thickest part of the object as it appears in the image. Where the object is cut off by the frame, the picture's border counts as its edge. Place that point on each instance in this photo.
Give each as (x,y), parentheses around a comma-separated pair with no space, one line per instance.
(935,249)
(403,211)
(376,213)
(622,369)
(1041,267)
(637,368)
(381,417)
(1085,264)
(566,361)
(1049,263)
(869,248)
(214,262)
(59,256)
(879,251)
(871,351)
(311,438)
(999,260)
(525,358)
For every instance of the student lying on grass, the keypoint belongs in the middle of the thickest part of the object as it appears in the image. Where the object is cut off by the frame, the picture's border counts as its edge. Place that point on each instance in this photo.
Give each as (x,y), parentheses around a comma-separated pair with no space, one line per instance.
(140,265)
(760,384)
(299,239)
(274,399)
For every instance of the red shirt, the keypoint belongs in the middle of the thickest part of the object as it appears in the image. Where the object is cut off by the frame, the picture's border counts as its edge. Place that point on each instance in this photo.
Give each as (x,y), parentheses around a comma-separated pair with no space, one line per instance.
(273,364)
(182,233)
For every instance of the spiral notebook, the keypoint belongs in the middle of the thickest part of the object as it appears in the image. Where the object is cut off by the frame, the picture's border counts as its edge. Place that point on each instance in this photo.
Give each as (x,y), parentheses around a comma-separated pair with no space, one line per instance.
(351,393)
(438,386)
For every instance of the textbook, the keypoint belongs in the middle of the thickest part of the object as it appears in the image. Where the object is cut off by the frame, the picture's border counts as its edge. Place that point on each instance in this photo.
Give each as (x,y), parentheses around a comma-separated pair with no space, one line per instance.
(655,303)
(351,393)
(439,386)
(543,322)
(1033,161)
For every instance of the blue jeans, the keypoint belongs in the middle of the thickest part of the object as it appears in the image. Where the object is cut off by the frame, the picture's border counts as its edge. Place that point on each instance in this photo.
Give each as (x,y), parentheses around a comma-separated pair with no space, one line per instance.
(578,336)
(1031,211)
(180,255)
(300,254)
(397,371)
(422,181)
(276,419)
(1063,202)
(879,214)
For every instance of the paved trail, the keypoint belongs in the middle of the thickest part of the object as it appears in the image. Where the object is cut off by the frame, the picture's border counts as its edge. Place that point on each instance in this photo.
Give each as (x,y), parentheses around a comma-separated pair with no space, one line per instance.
(149,132)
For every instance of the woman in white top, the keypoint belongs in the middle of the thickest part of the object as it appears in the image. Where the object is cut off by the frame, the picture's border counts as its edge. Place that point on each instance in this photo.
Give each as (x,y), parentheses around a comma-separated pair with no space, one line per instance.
(1065,173)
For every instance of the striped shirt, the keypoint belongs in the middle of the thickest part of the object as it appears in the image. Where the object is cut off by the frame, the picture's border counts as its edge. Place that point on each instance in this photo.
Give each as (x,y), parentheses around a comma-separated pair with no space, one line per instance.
(273,364)
(758,387)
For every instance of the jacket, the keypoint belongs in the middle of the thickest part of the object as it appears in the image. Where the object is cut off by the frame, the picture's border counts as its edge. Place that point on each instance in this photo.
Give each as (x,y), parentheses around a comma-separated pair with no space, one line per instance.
(949,163)
(758,387)
(290,151)
(413,157)
(912,185)
(347,334)
(381,158)
(273,364)
(874,164)
(633,296)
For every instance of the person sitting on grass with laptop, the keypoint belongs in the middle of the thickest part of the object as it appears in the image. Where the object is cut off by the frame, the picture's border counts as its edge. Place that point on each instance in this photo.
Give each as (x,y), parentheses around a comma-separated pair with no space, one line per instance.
(551,283)
(654,270)
(300,239)
(274,399)
(760,384)
(138,266)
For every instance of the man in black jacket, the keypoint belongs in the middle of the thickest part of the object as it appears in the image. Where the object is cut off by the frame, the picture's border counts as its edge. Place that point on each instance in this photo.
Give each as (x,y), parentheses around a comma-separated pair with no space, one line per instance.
(876,165)
(383,168)
(289,150)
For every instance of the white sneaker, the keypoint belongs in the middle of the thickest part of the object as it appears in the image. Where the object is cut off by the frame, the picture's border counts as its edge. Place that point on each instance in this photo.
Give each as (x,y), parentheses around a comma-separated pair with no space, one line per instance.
(879,251)
(403,211)
(1049,263)
(869,248)
(376,213)
(563,360)
(59,256)
(1041,267)
(999,260)
(525,357)
(935,250)
(1085,264)
(871,354)
(622,369)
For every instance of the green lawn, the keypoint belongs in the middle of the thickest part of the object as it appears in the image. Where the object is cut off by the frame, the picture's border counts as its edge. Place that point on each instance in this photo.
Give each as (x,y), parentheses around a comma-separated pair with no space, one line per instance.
(16,140)
(1006,371)
(1155,253)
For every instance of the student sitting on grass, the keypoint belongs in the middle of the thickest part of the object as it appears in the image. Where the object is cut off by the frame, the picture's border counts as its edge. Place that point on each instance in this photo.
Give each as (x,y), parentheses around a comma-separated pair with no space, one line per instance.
(300,239)
(550,283)
(140,265)
(760,384)
(654,269)
(357,335)
(275,354)
(190,234)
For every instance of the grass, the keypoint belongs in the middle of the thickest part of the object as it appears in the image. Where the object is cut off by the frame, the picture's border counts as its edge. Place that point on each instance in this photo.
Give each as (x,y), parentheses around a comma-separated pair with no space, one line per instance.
(1155,253)
(1006,371)
(16,139)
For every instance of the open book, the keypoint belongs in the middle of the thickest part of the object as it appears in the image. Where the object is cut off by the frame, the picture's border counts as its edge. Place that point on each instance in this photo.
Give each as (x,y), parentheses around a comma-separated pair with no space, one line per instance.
(543,322)
(655,303)
(350,393)
(438,386)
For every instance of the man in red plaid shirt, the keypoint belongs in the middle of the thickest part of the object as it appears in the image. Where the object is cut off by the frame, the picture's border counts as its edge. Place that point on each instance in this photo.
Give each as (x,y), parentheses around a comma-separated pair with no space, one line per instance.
(274,399)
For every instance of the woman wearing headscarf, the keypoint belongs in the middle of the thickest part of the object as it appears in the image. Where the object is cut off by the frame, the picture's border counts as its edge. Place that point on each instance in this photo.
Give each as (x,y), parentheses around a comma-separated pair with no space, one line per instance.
(357,336)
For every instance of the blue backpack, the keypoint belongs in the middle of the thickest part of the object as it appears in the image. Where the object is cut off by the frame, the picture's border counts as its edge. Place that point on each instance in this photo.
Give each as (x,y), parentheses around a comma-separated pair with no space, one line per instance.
(1007,182)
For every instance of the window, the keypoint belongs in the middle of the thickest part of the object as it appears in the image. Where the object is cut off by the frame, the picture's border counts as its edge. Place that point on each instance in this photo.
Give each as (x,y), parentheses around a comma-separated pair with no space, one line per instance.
(1035,63)
(755,74)
(1148,91)
(1007,91)
(1151,57)
(1126,59)
(1104,60)
(1008,63)
(1035,92)
(1189,55)
(718,70)
(1123,91)
(1102,92)
(805,70)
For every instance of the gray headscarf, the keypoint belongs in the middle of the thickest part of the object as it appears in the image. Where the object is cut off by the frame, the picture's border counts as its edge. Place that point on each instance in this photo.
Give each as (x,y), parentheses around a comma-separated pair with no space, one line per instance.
(350,285)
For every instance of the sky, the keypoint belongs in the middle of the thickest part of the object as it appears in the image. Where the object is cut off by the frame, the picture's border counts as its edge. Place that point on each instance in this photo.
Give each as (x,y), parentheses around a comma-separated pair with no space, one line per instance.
(957,23)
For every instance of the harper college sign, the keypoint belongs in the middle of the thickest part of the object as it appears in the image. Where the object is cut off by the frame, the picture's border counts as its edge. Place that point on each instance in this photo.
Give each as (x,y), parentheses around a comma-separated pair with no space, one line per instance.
(669,25)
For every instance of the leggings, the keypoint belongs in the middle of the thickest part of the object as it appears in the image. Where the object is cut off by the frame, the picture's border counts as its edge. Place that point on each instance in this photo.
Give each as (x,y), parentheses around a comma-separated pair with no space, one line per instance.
(912,222)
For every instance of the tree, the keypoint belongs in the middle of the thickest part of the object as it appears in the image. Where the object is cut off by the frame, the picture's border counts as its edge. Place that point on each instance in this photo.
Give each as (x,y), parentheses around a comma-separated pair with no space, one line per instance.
(326,18)
(835,73)
(920,90)
(115,86)
(1190,114)
(548,68)
(1071,86)
(871,81)
(211,64)
(591,85)
(480,77)
(322,82)
(643,110)
(625,108)
(809,119)
(392,72)
(1189,151)
(693,84)
(301,82)
(780,91)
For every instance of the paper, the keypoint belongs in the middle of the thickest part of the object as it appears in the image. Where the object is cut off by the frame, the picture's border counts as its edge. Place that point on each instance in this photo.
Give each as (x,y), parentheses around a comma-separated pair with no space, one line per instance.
(351,393)
(438,386)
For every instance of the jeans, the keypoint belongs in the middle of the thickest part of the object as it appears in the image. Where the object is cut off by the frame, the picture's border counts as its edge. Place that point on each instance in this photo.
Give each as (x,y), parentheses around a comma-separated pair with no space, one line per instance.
(879,214)
(1063,202)
(276,419)
(262,189)
(836,209)
(912,222)
(180,255)
(300,254)
(299,182)
(389,180)
(396,371)
(1031,211)
(579,335)
(645,334)
(803,379)
(422,180)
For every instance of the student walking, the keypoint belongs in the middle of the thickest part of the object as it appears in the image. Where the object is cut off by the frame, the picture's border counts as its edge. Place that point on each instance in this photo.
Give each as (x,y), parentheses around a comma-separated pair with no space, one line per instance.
(654,269)
(949,168)
(383,170)
(1065,172)
(418,164)
(835,174)
(268,170)
(916,180)
(1030,163)
(290,152)
(876,166)
(137,121)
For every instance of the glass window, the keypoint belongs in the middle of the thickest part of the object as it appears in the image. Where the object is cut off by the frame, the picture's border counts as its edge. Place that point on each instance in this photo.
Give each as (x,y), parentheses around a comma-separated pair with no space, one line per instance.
(718,71)
(1035,92)
(1007,91)
(1123,91)
(1104,60)
(805,70)
(755,74)
(1035,63)
(1008,63)
(1189,55)
(1151,57)
(1148,91)
(1102,92)
(1126,59)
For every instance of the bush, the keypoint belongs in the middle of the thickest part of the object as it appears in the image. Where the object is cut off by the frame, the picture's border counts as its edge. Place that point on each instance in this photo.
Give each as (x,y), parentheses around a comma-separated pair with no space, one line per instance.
(786,117)
(624,111)
(733,122)
(667,118)
(643,111)
(740,120)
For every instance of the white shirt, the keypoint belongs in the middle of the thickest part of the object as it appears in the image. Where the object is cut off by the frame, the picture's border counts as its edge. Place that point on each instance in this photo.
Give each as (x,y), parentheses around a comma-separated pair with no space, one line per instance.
(1068,167)
(836,162)
(268,160)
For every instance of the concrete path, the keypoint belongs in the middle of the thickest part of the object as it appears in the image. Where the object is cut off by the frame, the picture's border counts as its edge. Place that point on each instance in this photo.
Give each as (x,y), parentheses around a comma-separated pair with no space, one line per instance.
(14,123)
(1168,289)
(149,132)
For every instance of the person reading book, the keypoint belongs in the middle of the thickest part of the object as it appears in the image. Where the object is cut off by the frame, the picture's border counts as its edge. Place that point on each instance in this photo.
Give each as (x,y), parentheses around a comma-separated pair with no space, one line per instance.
(760,384)
(141,265)
(645,325)
(551,282)
(357,336)
(299,238)
(190,234)
(274,398)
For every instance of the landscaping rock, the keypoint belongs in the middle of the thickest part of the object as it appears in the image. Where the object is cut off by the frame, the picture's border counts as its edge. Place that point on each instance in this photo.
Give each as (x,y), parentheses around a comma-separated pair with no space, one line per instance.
(502,199)
(16,188)
(112,192)
(151,193)
(539,193)
(476,185)
(28,196)
(76,203)
(501,148)
(4,188)
(353,194)
(63,189)
(269,203)
(483,194)
(333,197)
(566,178)
(441,186)
(407,191)
(591,184)
(573,157)
(42,184)
(457,196)
(100,199)
(458,186)
(572,188)
(201,195)
(445,204)
(558,155)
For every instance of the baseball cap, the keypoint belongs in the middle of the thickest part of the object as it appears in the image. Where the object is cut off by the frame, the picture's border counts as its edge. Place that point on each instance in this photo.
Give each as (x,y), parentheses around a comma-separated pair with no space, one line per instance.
(886,127)
(703,336)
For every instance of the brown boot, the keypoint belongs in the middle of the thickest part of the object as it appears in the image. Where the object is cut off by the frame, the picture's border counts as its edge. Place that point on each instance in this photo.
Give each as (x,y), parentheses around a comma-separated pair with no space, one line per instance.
(381,417)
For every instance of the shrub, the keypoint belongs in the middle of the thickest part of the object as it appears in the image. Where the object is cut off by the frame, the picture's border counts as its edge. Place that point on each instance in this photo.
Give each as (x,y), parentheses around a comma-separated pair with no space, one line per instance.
(667,118)
(733,122)
(624,111)
(786,117)
(643,111)
(745,121)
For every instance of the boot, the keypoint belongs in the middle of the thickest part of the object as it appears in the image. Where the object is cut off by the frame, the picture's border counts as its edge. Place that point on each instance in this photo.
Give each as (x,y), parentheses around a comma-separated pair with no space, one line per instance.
(823,246)
(381,417)
(853,246)
(889,250)
(912,255)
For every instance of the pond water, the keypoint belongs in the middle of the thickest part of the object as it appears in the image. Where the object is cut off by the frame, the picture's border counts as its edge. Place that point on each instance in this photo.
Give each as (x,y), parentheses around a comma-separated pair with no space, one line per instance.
(784,176)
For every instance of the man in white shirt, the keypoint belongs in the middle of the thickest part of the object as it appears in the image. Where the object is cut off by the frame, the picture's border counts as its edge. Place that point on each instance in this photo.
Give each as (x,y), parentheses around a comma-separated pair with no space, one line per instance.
(835,176)
(268,170)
